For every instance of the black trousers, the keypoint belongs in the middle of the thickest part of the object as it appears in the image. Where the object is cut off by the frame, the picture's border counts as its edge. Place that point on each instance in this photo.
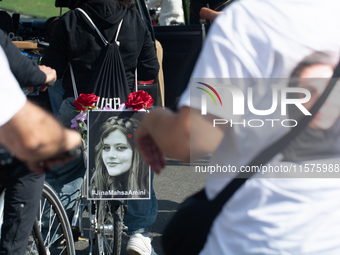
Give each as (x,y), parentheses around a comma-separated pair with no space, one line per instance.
(21,207)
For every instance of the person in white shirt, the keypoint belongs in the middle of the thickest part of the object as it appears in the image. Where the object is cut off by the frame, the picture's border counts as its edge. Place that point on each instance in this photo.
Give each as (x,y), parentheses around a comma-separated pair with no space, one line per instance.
(171,11)
(37,141)
(257,41)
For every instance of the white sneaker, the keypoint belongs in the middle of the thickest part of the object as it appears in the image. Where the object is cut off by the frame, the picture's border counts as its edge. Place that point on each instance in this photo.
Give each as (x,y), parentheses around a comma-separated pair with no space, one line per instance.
(140,244)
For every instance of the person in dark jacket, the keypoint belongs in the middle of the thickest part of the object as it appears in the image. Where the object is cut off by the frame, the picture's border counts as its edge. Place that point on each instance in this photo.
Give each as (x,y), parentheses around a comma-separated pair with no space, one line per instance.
(75,41)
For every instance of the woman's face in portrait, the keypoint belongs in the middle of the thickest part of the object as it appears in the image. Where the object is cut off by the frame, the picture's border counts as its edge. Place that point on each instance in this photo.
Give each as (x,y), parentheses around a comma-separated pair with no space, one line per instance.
(330,110)
(117,153)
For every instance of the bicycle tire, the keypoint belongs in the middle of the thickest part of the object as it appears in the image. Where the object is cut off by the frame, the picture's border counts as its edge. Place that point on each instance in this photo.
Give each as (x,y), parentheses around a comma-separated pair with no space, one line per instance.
(58,239)
(118,229)
(110,225)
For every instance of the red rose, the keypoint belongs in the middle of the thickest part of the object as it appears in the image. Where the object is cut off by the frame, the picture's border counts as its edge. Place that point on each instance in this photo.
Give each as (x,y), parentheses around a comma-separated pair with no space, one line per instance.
(85,101)
(139,100)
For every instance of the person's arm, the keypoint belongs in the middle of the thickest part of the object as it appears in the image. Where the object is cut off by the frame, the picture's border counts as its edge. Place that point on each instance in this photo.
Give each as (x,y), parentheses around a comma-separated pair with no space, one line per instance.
(187,135)
(209,14)
(50,75)
(163,132)
(25,70)
(33,135)
(199,9)
(25,129)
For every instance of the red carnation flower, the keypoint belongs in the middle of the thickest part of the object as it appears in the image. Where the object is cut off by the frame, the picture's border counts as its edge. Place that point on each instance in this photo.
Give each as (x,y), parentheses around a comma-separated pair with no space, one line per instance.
(85,101)
(139,100)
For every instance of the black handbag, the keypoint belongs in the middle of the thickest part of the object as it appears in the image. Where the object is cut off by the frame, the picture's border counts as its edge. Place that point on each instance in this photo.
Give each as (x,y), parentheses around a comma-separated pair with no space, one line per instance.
(187,231)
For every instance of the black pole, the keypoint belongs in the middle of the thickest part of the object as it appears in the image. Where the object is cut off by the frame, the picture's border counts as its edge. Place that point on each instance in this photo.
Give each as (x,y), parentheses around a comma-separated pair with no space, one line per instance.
(185,12)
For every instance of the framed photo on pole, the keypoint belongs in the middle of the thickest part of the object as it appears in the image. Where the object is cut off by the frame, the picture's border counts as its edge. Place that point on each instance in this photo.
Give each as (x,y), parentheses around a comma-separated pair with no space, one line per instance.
(116,169)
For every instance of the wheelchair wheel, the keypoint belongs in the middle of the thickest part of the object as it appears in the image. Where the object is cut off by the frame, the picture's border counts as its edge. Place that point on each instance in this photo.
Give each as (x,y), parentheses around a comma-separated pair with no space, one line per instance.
(110,228)
(51,232)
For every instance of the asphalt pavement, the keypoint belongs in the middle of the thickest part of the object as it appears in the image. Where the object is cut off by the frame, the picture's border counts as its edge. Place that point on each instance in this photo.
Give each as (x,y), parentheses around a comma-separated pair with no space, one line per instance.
(176,182)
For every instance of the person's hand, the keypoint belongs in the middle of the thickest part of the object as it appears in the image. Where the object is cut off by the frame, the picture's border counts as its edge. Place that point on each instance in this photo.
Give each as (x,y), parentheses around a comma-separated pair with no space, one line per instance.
(72,141)
(149,149)
(50,75)
(49,72)
(209,14)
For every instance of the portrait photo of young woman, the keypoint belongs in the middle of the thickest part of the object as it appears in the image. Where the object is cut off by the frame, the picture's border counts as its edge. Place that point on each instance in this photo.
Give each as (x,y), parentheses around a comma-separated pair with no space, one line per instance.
(116,168)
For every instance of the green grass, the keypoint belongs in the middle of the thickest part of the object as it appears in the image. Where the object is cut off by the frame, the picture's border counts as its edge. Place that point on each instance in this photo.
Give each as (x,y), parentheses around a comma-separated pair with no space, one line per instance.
(34,8)
(42,8)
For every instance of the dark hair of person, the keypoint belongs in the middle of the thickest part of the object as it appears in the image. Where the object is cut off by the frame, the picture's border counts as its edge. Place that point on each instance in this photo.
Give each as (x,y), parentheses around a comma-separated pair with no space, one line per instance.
(312,144)
(316,58)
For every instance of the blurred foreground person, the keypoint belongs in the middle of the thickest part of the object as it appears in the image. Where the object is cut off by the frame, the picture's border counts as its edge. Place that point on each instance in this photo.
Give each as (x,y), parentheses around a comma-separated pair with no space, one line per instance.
(27,134)
(171,11)
(250,44)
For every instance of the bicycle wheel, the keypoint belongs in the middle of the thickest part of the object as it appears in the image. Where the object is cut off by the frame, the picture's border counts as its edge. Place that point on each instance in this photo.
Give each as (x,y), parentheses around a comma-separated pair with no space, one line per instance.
(52,227)
(110,228)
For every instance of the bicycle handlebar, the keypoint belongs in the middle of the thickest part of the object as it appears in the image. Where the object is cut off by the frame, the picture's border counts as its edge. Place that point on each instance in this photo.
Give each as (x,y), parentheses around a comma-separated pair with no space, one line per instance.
(11,167)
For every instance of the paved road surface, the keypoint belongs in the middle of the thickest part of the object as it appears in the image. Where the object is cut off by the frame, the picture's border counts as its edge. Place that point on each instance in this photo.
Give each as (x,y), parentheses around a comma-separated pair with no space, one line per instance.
(176,182)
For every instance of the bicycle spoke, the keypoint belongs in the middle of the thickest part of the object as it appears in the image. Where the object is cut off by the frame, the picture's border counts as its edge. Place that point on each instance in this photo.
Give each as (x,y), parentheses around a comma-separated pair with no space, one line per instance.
(62,250)
(53,237)
(49,245)
(108,246)
(48,240)
(55,233)
(41,212)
